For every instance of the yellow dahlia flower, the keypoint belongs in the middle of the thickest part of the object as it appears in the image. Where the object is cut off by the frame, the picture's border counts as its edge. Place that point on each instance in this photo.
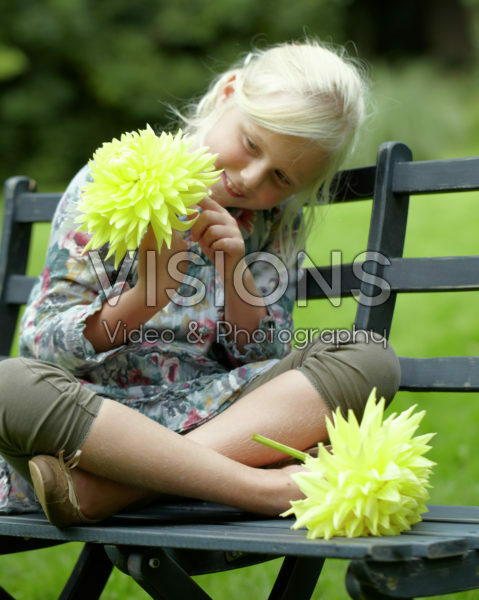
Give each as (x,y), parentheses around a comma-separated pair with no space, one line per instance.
(374,481)
(139,179)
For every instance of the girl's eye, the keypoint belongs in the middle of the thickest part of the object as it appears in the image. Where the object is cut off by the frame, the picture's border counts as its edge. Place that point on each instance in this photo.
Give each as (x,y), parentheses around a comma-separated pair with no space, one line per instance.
(282,178)
(251,145)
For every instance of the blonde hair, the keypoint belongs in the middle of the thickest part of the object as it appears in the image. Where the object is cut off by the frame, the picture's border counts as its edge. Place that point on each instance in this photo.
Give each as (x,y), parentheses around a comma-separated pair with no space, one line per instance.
(303,89)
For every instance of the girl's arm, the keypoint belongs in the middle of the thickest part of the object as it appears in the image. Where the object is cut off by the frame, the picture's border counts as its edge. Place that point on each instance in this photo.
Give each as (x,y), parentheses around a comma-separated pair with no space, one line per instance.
(106,328)
(72,295)
(220,238)
(253,330)
(244,307)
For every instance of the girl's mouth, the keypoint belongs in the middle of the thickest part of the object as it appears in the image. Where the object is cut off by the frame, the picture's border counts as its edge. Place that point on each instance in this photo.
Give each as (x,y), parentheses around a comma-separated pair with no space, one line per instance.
(230,187)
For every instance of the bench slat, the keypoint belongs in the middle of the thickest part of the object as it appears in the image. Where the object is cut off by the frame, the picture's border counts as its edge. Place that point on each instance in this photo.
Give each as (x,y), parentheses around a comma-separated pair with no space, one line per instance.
(429,177)
(468,531)
(34,208)
(452,513)
(18,288)
(416,578)
(440,374)
(354,184)
(328,282)
(431,274)
(405,275)
(242,537)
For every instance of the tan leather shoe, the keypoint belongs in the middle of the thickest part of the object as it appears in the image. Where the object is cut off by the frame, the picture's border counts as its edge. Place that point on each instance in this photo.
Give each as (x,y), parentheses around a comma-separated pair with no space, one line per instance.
(53,485)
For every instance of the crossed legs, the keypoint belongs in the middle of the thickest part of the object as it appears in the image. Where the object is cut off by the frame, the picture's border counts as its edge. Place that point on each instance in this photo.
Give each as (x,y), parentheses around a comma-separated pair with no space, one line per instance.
(213,462)
(126,457)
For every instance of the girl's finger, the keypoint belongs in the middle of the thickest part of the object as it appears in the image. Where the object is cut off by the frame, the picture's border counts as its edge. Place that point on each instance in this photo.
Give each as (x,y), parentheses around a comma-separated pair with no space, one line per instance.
(209,204)
(214,233)
(230,246)
(198,229)
(207,219)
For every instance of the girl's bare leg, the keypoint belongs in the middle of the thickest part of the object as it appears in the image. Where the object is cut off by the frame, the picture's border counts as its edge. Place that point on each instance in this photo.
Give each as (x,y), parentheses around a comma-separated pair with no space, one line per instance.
(130,449)
(151,460)
(287,409)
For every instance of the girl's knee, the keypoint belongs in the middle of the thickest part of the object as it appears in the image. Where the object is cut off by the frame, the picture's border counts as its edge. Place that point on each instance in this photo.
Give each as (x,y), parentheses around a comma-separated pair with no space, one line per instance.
(369,354)
(346,367)
(40,402)
(14,375)
(21,378)
(380,364)
(13,381)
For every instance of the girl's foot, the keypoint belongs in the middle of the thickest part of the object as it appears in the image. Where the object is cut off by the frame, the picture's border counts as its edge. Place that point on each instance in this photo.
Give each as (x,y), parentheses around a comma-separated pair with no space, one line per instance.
(55,491)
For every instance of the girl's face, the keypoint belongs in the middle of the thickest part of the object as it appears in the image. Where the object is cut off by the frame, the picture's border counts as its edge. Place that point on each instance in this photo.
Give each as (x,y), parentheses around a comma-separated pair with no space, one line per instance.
(261,168)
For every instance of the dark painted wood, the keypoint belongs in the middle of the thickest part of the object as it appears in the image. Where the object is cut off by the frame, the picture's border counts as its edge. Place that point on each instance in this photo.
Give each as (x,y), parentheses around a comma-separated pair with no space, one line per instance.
(330,282)
(387,232)
(14,249)
(273,537)
(36,208)
(416,577)
(440,374)
(89,576)
(355,184)
(436,176)
(18,289)
(157,572)
(297,578)
(433,274)
(452,514)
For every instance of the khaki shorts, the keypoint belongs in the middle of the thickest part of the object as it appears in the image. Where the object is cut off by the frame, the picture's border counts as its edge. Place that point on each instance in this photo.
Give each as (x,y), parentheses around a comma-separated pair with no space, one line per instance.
(58,412)
(343,367)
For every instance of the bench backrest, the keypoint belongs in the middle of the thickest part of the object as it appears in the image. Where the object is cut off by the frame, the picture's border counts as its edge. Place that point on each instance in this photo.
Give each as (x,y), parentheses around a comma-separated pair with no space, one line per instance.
(378,280)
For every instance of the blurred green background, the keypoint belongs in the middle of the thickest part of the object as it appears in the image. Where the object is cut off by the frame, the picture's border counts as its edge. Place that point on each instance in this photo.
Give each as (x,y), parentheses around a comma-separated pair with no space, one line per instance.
(75,73)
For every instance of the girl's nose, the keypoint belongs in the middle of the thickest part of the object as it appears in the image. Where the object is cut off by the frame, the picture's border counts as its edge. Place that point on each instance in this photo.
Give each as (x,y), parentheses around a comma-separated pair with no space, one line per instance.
(253,174)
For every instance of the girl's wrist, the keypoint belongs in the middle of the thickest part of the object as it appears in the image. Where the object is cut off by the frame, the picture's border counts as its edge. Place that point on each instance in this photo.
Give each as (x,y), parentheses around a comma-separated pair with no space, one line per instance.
(232,269)
(148,300)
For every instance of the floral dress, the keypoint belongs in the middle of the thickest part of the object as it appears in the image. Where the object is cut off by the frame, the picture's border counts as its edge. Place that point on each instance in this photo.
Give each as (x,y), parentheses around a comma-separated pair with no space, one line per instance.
(181,368)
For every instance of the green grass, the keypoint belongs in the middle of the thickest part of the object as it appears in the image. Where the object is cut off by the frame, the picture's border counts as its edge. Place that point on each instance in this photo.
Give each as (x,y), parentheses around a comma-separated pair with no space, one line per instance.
(439,117)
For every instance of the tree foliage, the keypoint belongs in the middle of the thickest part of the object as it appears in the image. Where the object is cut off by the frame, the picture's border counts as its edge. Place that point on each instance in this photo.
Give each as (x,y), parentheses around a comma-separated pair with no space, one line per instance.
(74,73)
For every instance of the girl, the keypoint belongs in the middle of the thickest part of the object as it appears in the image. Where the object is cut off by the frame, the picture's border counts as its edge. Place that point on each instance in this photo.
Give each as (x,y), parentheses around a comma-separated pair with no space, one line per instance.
(150,391)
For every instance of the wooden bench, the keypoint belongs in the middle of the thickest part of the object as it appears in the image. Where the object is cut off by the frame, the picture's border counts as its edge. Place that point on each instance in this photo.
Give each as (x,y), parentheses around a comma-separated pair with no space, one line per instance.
(163,545)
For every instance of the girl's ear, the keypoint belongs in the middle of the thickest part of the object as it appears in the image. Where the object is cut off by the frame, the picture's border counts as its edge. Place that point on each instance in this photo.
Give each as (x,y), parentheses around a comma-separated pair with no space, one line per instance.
(227,90)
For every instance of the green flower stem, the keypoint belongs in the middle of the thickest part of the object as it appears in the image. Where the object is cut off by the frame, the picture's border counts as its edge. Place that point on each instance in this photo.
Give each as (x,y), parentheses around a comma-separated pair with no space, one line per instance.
(281,447)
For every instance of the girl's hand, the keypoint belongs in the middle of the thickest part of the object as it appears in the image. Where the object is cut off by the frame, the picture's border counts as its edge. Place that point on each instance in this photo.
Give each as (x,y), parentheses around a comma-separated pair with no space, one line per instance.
(216,230)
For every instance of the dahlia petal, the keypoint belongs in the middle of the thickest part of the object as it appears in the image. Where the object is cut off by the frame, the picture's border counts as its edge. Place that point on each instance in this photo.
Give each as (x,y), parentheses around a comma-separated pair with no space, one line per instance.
(157,201)
(183,225)
(162,214)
